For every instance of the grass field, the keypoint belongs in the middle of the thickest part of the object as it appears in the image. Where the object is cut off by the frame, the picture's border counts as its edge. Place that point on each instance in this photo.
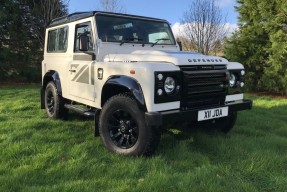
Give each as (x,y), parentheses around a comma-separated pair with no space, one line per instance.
(38,154)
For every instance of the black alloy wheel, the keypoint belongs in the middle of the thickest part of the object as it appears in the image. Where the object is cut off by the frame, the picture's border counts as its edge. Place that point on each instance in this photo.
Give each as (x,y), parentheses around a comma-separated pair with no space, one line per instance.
(123,129)
(54,103)
(50,102)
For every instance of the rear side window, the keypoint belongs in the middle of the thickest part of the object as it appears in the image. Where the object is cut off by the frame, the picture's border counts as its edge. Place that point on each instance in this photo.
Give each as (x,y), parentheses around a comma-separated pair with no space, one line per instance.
(58,40)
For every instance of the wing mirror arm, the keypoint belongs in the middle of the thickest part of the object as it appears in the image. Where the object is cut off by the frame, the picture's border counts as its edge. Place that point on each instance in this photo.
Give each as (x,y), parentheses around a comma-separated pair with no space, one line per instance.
(180,45)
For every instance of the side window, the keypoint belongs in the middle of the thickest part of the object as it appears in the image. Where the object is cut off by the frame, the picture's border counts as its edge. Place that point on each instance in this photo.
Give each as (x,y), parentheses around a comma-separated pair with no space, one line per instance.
(52,39)
(58,40)
(63,39)
(83,29)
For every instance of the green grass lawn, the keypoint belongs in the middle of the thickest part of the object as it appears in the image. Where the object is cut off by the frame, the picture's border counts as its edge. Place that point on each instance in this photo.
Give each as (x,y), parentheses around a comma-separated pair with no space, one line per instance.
(39,154)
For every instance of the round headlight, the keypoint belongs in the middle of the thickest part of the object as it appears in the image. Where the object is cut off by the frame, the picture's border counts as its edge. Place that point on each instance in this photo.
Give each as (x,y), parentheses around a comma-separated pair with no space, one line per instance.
(232,80)
(169,85)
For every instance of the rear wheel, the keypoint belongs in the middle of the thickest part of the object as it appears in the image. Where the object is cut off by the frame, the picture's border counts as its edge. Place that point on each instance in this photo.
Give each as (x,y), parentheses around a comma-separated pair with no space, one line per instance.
(123,129)
(54,103)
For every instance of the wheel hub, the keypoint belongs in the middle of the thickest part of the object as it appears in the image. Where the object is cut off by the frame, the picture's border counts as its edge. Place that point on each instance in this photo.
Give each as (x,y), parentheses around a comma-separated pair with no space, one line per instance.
(123,129)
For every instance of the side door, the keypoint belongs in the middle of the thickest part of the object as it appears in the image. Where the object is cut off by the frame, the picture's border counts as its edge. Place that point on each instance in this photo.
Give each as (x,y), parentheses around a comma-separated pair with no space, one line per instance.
(81,69)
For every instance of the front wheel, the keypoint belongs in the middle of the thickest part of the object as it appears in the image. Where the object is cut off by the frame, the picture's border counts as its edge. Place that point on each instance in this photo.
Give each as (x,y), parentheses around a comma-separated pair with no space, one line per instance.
(123,129)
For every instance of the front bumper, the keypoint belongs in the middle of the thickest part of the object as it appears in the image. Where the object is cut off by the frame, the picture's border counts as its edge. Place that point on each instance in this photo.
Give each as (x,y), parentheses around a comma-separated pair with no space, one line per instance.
(160,118)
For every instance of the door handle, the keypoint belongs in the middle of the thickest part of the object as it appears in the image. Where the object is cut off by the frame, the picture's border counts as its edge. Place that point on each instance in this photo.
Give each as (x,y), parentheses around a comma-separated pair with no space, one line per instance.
(72,71)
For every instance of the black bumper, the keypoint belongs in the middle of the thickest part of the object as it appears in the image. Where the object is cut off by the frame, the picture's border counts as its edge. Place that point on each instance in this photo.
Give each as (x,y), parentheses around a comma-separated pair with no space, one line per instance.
(160,118)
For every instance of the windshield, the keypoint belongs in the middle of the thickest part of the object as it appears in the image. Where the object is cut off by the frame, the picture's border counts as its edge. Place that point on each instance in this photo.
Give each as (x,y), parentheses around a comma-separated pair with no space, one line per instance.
(132,30)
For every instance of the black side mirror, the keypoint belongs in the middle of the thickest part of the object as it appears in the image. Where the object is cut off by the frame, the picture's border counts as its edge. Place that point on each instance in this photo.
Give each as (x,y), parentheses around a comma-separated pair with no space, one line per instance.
(180,45)
(84,42)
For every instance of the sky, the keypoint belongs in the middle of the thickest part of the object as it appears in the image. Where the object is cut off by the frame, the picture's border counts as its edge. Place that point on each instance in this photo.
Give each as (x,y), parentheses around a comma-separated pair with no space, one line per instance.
(170,10)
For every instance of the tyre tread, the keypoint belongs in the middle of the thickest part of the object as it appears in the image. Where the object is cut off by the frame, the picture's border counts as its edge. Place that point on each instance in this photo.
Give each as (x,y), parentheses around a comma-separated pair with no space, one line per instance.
(153,134)
(60,111)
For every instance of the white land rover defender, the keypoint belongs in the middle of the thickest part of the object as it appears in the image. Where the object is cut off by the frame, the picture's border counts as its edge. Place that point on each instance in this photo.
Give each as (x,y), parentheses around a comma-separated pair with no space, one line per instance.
(131,75)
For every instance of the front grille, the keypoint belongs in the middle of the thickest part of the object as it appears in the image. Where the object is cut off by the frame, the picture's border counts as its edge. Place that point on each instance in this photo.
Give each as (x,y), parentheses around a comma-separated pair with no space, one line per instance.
(204,86)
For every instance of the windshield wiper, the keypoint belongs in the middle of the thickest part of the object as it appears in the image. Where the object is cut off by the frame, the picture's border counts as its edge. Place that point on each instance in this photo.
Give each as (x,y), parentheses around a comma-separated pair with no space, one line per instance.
(158,40)
(130,39)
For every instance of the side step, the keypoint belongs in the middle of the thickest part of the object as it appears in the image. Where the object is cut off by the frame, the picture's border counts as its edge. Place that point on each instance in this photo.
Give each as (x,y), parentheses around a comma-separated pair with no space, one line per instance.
(83,111)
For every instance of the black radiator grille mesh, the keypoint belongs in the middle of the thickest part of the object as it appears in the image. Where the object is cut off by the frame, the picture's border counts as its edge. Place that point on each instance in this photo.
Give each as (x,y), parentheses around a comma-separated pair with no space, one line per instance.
(204,86)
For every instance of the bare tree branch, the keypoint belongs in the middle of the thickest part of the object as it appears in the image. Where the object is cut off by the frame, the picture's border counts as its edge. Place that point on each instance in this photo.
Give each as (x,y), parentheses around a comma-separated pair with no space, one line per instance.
(112,6)
(46,10)
(204,25)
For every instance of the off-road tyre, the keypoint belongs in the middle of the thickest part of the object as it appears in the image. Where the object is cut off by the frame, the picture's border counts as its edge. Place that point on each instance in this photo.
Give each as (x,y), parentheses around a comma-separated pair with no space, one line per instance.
(54,103)
(123,129)
(225,124)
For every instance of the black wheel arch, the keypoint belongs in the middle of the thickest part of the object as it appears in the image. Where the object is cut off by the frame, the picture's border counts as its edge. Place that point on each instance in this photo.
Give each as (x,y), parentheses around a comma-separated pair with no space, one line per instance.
(123,84)
(50,76)
(55,77)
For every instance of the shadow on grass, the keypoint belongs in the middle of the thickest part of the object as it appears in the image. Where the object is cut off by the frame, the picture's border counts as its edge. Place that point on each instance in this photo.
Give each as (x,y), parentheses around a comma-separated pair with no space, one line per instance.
(185,131)
(252,127)
(251,124)
(73,116)
(2,119)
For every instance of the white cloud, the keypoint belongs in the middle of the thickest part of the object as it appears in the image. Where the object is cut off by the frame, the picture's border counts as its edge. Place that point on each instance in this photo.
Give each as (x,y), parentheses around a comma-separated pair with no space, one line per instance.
(231,28)
(178,29)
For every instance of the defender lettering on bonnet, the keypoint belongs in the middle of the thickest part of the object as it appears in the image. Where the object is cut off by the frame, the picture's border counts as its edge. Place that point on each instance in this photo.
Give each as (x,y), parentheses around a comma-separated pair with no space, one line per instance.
(127,72)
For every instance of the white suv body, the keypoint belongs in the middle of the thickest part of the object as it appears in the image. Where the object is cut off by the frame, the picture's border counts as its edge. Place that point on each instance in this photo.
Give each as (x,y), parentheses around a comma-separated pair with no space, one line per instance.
(92,57)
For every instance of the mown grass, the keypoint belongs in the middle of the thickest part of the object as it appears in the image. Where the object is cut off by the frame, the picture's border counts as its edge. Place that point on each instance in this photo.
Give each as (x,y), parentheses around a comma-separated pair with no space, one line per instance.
(38,154)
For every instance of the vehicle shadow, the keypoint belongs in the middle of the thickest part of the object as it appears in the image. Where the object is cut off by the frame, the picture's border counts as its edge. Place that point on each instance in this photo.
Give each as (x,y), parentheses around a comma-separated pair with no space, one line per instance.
(73,116)
(184,131)
(260,127)
(260,122)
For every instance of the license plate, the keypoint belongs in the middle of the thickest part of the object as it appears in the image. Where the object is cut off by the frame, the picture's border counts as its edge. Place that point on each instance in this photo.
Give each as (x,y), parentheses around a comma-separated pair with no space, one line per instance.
(212,113)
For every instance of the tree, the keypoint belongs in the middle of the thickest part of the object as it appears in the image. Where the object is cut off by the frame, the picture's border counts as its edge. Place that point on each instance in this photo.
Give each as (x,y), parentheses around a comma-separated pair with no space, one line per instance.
(187,45)
(42,12)
(112,6)
(261,44)
(218,47)
(15,40)
(22,27)
(204,25)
